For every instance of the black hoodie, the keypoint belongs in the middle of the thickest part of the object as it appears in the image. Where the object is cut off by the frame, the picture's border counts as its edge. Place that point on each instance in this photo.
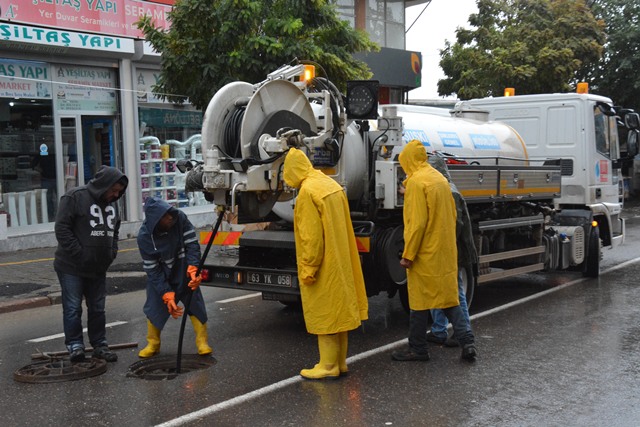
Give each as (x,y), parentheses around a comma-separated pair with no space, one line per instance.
(87,226)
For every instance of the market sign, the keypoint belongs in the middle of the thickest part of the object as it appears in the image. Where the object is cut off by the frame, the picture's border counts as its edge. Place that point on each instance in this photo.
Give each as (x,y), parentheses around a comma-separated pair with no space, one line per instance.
(25,79)
(78,88)
(145,79)
(20,34)
(114,17)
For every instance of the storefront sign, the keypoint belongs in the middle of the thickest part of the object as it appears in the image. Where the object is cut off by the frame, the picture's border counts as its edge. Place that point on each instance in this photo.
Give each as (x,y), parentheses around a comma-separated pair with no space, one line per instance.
(145,79)
(170,118)
(85,88)
(114,17)
(25,79)
(12,33)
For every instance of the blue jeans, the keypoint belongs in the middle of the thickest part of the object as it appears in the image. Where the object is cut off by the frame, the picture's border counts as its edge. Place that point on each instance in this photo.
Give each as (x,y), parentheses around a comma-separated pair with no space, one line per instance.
(94,292)
(440,321)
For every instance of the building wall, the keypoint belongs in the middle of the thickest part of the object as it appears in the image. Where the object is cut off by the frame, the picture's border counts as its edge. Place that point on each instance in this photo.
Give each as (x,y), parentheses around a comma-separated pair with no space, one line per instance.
(75,93)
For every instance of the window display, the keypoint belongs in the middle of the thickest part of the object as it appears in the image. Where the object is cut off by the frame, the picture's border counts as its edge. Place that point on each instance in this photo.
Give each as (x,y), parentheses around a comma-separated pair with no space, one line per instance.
(27,161)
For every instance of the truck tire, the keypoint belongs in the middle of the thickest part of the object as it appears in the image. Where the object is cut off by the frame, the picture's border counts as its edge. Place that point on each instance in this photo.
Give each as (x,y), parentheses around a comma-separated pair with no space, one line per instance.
(594,253)
(403,294)
(468,284)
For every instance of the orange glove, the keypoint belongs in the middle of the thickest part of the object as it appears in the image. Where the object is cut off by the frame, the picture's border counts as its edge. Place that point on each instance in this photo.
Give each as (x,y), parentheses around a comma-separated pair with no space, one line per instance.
(192,273)
(169,299)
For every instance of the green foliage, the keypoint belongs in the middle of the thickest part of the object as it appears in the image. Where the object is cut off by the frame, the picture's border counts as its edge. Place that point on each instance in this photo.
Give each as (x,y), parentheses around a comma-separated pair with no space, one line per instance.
(214,42)
(617,73)
(535,46)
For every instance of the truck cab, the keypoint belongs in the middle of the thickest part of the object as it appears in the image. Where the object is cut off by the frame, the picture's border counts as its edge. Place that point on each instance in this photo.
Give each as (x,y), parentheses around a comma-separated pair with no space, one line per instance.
(581,130)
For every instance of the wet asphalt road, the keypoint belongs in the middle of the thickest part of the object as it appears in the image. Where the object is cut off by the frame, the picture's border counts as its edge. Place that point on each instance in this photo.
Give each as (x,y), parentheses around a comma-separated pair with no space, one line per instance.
(568,356)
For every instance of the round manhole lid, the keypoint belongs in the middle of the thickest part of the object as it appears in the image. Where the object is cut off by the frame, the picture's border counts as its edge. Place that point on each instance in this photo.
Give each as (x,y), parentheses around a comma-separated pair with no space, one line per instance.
(59,370)
(165,367)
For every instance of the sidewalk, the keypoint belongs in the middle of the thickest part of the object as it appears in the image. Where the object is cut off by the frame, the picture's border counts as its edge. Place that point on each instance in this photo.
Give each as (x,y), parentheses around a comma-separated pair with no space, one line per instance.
(28,280)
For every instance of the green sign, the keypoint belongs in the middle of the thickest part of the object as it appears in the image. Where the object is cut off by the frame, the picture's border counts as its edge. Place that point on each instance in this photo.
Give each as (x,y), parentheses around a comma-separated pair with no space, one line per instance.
(171,118)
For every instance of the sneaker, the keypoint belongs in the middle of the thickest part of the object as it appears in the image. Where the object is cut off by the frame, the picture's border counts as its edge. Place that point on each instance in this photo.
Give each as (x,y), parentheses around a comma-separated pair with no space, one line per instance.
(103,352)
(447,342)
(77,355)
(408,355)
(469,352)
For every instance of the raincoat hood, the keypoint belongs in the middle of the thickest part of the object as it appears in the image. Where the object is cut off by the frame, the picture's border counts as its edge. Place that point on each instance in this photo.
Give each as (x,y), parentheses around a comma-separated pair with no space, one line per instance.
(297,168)
(413,157)
(104,179)
(154,210)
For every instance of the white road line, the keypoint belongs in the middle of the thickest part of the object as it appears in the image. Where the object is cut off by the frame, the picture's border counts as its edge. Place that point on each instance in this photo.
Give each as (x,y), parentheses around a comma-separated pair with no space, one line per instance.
(52,337)
(122,274)
(224,301)
(210,410)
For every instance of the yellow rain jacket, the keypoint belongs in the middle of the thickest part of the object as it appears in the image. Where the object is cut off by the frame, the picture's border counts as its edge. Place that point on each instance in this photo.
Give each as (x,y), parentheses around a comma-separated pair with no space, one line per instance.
(331,282)
(429,232)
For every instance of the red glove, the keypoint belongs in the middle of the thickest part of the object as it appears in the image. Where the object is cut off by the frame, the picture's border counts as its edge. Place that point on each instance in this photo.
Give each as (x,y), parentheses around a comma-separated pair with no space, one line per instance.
(169,299)
(192,273)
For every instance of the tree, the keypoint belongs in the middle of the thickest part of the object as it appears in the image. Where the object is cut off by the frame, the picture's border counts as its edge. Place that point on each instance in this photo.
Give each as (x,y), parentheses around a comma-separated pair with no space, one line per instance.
(214,42)
(535,46)
(617,73)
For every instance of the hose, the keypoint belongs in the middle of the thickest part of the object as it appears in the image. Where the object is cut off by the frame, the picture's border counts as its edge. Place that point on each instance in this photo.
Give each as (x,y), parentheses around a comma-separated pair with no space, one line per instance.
(187,302)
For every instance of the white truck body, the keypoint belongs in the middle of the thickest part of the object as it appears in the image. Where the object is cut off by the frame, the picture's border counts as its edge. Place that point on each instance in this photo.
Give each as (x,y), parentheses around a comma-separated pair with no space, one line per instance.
(568,126)
(522,223)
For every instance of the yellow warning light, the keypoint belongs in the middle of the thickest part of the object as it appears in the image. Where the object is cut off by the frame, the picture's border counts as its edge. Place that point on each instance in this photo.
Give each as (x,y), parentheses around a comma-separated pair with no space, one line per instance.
(509,91)
(594,224)
(582,87)
(309,73)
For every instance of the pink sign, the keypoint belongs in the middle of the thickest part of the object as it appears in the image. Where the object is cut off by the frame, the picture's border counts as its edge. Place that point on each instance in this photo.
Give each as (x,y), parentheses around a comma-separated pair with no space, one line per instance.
(113,17)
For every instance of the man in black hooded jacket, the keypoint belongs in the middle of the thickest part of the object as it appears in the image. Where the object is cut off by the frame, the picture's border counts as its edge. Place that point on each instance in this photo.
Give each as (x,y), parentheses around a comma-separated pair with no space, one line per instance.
(87,225)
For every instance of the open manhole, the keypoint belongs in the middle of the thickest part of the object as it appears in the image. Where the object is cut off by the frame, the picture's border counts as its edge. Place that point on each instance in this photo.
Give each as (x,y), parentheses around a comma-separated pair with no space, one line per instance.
(164,367)
(58,370)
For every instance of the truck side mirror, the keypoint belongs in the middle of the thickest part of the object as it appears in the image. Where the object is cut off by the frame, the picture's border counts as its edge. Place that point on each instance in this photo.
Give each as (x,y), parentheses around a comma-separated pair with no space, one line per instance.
(632,142)
(632,120)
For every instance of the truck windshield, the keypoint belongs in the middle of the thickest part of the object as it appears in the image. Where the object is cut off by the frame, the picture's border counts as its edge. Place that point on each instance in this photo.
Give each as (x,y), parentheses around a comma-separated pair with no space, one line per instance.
(606,134)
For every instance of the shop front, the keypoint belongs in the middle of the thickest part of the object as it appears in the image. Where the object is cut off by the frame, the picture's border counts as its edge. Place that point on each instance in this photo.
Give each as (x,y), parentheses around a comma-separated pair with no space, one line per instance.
(63,116)
(58,124)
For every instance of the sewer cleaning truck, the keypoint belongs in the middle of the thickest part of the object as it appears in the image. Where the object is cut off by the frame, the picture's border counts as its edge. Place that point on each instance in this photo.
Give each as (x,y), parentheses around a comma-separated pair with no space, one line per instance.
(548,205)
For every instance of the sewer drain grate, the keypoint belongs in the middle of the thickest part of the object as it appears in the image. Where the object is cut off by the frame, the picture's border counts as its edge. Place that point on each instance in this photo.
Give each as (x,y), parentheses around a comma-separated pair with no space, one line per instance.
(164,367)
(58,370)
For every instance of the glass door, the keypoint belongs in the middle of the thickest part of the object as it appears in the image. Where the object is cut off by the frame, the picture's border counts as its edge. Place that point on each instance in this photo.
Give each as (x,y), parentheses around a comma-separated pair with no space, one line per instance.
(98,144)
(71,170)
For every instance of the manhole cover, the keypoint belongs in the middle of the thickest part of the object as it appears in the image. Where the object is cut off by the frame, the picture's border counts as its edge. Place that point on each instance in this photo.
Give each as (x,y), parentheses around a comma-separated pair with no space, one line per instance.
(59,370)
(164,367)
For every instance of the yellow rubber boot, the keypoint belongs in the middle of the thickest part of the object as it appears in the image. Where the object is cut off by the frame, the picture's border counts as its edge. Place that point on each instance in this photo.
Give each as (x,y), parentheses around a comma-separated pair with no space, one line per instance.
(153,341)
(342,360)
(329,347)
(201,336)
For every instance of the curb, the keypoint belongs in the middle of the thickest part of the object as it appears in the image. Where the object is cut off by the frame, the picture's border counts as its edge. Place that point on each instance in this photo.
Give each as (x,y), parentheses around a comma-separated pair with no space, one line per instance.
(22,304)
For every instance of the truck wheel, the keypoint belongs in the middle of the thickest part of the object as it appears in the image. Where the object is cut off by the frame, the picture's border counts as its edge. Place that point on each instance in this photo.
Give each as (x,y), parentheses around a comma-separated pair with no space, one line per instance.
(594,253)
(403,294)
(468,284)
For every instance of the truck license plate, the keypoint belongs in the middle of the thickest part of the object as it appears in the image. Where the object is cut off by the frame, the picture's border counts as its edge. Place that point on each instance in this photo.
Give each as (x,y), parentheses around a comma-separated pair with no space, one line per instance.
(274,279)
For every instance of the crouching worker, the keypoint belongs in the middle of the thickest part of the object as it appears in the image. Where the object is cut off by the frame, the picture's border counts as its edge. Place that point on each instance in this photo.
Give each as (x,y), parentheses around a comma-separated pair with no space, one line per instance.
(170,254)
(334,299)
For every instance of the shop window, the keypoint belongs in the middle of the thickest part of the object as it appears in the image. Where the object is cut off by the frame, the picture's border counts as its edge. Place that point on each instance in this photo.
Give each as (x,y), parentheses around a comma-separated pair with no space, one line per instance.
(27,161)
(169,135)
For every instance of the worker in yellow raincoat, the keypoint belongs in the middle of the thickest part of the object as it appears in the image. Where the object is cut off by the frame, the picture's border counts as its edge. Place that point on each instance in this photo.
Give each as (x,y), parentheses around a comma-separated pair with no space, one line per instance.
(430,254)
(334,300)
